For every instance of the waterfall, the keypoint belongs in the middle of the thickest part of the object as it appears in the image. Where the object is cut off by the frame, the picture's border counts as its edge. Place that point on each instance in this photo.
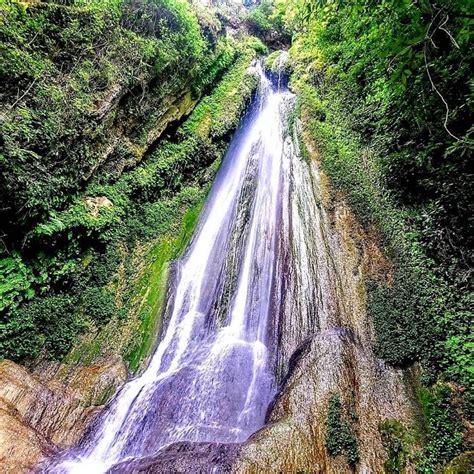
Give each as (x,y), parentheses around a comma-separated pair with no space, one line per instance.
(212,375)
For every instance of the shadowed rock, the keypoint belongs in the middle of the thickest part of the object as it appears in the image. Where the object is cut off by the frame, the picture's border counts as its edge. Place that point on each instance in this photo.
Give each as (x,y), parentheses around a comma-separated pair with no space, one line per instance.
(184,457)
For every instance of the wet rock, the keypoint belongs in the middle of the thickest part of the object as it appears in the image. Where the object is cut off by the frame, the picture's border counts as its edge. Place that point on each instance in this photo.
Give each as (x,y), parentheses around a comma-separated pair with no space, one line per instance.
(39,414)
(173,109)
(183,458)
(113,95)
(334,362)
(123,147)
(325,340)
(293,439)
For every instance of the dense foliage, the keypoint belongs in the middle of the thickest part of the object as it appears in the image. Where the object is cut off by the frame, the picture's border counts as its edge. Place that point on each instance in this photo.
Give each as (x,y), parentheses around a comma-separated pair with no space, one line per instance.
(386,93)
(340,437)
(375,80)
(65,69)
(76,223)
(444,429)
(267,22)
(398,442)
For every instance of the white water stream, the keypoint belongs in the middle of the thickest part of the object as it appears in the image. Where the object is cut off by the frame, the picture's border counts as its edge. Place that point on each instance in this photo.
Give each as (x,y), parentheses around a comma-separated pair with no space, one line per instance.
(211,377)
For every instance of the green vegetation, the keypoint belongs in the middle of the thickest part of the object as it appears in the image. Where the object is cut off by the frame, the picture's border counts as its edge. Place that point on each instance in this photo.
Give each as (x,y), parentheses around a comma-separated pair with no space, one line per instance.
(97,197)
(445,433)
(65,68)
(385,92)
(202,139)
(399,443)
(154,286)
(340,437)
(267,22)
(95,206)
(136,271)
(16,284)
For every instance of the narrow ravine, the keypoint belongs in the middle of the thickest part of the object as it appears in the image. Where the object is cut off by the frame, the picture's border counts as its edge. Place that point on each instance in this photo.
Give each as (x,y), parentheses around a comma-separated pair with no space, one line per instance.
(235,237)
(265,327)
(212,375)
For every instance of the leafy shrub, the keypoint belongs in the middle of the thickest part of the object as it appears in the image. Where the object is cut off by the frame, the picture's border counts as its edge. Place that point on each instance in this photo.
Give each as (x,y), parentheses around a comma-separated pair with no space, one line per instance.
(267,22)
(399,443)
(340,438)
(50,323)
(15,282)
(258,19)
(99,304)
(406,314)
(445,432)
(19,336)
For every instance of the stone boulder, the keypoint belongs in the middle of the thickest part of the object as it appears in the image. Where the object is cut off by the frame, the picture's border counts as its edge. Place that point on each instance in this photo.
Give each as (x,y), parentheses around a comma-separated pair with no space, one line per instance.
(41,414)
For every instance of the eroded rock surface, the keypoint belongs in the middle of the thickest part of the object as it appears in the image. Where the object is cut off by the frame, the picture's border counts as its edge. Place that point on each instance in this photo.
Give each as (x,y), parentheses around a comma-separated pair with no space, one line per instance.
(21,446)
(40,413)
(333,362)
(326,349)
(183,458)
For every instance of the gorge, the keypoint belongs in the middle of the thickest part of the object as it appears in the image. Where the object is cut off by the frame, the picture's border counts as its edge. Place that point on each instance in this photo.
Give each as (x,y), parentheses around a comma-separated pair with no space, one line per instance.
(265,233)
(220,275)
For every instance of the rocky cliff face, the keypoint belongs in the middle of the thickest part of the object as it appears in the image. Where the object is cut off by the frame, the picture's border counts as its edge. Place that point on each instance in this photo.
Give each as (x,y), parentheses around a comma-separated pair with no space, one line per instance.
(325,354)
(104,83)
(129,137)
(40,414)
(330,354)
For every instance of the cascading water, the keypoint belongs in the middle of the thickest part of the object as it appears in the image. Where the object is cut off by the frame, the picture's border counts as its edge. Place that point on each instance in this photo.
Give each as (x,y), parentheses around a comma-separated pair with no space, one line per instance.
(211,377)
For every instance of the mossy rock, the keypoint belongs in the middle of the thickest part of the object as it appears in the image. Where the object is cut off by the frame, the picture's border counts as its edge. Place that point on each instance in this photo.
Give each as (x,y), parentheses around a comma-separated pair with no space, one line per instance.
(461,464)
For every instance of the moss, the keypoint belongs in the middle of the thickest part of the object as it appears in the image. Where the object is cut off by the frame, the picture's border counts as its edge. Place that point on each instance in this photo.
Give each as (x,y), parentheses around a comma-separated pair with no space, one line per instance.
(153,287)
(400,445)
(273,66)
(105,396)
(270,60)
(220,112)
(461,464)
(213,119)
